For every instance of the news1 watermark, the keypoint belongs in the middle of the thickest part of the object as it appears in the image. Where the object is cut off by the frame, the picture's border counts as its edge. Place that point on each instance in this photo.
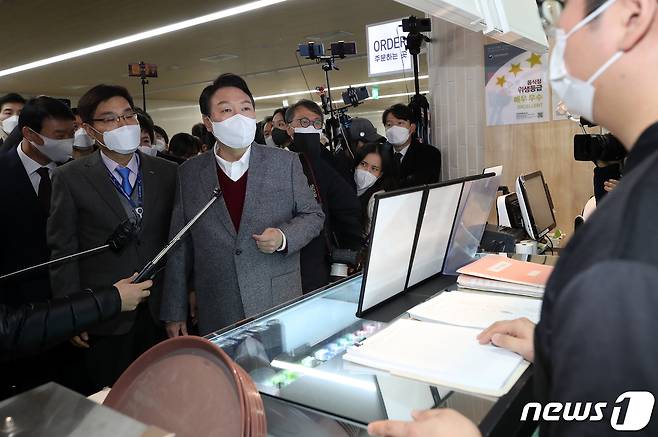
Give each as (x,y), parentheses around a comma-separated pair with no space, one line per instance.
(630,412)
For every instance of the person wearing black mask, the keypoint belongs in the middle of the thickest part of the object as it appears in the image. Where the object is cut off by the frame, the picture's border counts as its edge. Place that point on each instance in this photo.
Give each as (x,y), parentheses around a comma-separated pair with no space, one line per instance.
(280,135)
(342,210)
(374,172)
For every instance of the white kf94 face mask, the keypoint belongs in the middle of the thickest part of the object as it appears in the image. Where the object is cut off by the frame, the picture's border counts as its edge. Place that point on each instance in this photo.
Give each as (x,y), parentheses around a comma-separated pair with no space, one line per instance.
(364,180)
(9,124)
(397,135)
(81,140)
(236,132)
(55,150)
(577,94)
(124,139)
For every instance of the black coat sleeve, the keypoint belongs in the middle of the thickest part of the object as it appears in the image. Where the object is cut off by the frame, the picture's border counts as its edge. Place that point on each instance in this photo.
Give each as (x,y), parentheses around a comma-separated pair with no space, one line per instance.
(343,209)
(422,166)
(604,343)
(33,327)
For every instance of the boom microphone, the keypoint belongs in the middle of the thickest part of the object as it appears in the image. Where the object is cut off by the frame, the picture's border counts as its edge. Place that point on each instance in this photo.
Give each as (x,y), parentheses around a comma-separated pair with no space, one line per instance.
(122,235)
(150,269)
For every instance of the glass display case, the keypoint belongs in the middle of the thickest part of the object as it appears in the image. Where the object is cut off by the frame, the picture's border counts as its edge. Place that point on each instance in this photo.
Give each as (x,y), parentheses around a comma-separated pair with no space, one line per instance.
(294,354)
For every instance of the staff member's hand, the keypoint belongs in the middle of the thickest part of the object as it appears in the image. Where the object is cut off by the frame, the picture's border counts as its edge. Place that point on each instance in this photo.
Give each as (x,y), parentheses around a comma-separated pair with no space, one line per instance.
(269,241)
(441,422)
(514,335)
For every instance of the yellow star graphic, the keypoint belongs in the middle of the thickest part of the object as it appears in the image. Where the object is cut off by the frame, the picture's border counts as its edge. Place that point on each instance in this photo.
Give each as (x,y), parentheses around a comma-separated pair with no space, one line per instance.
(516,69)
(534,59)
(500,81)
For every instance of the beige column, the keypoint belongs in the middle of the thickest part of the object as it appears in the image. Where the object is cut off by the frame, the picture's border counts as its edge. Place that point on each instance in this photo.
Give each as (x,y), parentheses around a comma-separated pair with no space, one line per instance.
(456,86)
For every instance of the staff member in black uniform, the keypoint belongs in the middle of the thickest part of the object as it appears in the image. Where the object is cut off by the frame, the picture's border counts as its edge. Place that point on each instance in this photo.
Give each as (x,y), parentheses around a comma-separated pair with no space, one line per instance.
(597,335)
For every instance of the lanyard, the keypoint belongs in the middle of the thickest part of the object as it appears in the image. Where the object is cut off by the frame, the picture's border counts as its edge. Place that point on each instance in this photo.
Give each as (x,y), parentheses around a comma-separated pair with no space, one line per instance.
(137,206)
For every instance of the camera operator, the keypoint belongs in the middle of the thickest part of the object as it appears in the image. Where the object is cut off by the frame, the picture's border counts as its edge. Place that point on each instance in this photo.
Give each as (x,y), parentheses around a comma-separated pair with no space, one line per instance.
(362,132)
(342,210)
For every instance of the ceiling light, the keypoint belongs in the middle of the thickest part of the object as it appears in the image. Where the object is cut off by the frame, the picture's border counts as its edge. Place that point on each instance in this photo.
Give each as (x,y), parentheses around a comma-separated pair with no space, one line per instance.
(342,87)
(216,59)
(143,35)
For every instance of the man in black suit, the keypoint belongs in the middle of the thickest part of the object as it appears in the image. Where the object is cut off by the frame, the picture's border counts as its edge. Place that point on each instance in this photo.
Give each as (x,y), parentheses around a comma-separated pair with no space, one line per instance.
(25,185)
(91,197)
(418,164)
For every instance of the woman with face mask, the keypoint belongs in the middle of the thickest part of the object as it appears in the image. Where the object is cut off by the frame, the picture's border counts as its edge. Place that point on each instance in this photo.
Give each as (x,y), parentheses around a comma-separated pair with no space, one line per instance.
(374,172)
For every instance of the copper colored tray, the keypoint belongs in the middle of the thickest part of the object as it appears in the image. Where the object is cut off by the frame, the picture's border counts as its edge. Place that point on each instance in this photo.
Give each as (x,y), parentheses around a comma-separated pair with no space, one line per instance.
(189,386)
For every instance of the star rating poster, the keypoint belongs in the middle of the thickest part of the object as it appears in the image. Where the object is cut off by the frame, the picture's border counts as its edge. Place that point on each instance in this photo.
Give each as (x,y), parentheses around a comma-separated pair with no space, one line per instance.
(516,86)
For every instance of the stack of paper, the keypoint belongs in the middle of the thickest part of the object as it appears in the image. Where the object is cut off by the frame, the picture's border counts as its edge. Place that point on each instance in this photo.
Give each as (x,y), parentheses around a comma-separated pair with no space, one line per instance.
(475,310)
(440,354)
(475,283)
(504,275)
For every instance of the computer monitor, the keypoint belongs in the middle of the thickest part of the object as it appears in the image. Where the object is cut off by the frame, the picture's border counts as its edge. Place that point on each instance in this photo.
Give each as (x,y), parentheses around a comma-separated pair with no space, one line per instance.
(535,203)
(497,170)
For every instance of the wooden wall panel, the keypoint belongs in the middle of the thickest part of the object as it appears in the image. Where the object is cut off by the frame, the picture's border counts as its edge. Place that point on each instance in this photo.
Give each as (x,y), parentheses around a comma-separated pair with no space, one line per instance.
(547,147)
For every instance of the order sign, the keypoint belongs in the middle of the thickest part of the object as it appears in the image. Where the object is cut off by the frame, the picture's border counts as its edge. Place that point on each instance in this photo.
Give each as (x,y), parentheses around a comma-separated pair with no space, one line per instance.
(387,53)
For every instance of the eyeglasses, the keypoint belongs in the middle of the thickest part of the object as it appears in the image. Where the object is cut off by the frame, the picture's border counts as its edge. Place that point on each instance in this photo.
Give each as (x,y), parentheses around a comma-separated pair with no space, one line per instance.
(305,122)
(550,11)
(114,120)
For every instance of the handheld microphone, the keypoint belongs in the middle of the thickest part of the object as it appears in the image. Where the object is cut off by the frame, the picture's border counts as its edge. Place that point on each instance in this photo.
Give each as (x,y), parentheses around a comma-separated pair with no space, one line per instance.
(122,235)
(150,269)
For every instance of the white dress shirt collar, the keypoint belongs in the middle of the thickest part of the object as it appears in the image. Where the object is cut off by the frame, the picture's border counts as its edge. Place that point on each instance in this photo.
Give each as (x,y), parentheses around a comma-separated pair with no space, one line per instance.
(404,151)
(234,170)
(133,166)
(31,167)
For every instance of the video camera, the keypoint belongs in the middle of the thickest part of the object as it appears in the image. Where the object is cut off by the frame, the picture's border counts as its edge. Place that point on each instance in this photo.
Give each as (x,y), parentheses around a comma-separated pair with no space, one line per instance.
(597,147)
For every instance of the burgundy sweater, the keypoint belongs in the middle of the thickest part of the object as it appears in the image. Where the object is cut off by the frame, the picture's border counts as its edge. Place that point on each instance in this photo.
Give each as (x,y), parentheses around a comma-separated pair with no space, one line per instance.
(233,193)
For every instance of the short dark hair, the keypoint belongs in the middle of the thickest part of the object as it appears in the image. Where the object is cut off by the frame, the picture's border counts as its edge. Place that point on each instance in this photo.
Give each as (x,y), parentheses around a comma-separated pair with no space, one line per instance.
(281,111)
(199,131)
(267,119)
(160,131)
(146,123)
(11,98)
(224,81)
(38,109)
(100,93)
(184,145)
(303,103)
(400,111)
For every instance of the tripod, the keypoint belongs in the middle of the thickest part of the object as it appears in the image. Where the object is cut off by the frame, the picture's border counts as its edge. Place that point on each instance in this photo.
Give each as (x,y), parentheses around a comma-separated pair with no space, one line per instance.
(418,104)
